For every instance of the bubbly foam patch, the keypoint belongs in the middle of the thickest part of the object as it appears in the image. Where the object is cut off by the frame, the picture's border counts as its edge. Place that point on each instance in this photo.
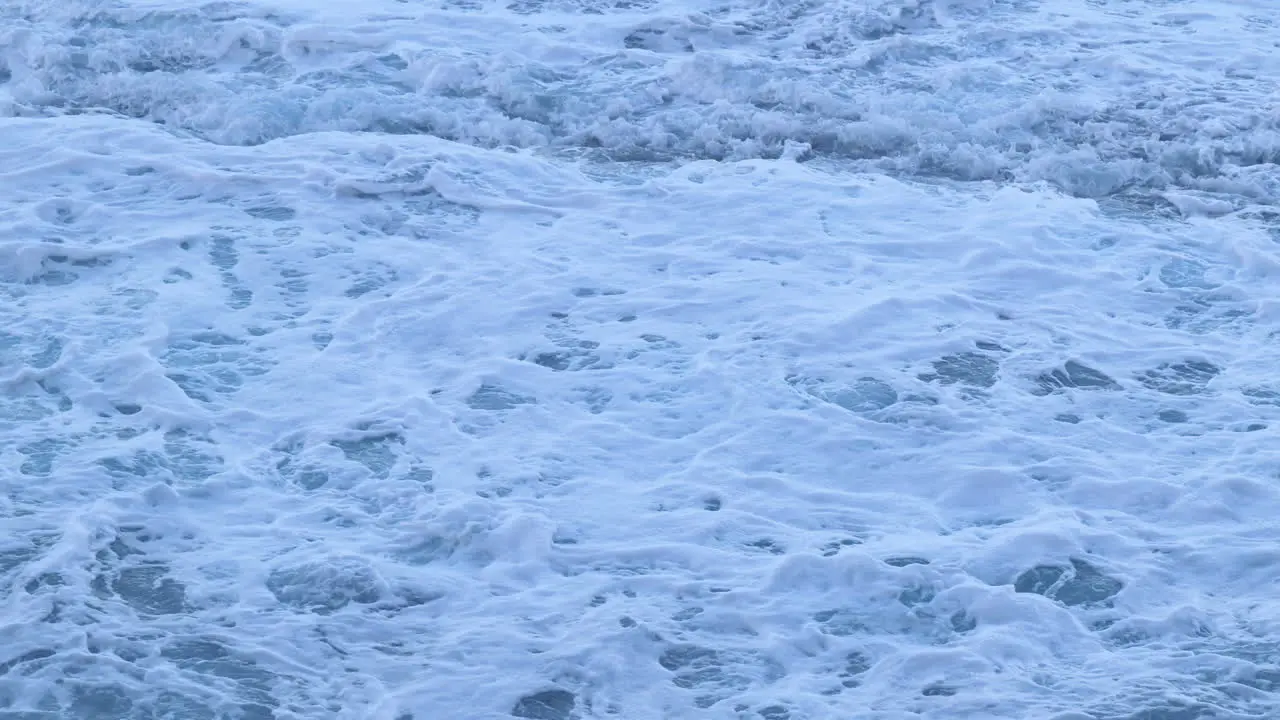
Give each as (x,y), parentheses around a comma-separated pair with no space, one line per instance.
(888,360)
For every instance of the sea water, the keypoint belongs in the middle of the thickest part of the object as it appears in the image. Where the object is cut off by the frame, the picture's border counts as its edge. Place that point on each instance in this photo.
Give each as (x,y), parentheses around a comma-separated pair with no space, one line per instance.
(639,359)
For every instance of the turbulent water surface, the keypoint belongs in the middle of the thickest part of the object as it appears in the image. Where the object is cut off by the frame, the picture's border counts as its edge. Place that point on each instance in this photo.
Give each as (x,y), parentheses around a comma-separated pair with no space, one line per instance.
(644,359)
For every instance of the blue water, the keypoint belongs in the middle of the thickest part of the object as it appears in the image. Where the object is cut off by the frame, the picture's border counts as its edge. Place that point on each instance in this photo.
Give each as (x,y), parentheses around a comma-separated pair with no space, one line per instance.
(639,359)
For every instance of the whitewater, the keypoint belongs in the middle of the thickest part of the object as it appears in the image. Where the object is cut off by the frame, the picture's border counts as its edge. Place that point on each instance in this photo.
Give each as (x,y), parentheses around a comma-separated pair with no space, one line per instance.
(639,359)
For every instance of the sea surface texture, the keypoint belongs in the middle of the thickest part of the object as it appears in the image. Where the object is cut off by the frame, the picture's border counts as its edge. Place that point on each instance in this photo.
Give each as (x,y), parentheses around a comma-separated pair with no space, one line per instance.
(640,359)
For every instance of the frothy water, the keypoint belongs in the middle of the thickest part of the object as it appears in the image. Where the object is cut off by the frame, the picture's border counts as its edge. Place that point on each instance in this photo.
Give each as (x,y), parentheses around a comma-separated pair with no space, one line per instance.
(639,359)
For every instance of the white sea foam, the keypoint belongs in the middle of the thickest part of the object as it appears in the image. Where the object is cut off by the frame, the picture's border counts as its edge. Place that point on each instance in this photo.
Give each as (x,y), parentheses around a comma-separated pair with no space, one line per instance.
(579,359)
